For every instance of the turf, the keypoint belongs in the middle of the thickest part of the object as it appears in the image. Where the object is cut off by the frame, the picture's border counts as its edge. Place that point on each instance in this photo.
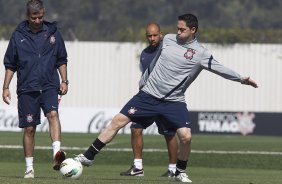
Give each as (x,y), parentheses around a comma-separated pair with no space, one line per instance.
(204,168)
(108,173)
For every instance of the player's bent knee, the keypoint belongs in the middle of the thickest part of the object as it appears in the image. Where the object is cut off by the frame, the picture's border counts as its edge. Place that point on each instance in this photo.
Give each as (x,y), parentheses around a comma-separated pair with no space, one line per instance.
(29,131)
(119,121)
(185,139)
(52,115)
(136,131)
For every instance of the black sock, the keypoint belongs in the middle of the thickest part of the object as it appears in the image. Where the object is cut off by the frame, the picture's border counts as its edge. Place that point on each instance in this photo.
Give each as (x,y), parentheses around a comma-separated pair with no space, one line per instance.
(94,149)
(180,166)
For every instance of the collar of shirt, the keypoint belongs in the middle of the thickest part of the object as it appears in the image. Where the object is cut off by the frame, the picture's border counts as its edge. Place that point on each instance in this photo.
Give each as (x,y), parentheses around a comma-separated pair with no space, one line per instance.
(185,43)
(43,28)
(153,48)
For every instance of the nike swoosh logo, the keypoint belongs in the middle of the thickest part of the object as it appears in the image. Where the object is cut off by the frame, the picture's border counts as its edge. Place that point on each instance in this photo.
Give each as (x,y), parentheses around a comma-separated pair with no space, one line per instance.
(135,173)
(23,40)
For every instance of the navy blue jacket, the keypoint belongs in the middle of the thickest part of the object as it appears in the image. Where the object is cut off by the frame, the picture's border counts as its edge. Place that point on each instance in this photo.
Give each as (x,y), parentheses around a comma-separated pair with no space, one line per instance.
(36,59)
(147,55)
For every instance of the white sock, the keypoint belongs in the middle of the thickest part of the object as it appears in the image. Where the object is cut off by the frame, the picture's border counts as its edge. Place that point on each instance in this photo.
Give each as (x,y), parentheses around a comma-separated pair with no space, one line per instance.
(138,163)
(172,167)
(29,163)
(56,147)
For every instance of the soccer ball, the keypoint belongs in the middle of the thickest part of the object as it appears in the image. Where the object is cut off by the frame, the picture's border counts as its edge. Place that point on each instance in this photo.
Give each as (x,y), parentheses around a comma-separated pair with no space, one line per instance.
(71,168)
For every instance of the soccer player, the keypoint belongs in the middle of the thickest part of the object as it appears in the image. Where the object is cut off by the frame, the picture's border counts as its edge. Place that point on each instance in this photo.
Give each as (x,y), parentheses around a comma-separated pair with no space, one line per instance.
(37,52)
(154,37)
(178,63)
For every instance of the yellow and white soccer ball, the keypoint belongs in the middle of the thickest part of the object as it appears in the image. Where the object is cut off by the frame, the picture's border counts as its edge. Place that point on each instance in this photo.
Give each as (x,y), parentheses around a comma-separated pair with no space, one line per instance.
(71,168)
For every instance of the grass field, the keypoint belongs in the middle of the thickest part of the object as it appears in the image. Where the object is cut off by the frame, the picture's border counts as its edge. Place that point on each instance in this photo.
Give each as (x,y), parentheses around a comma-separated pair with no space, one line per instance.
(215,159)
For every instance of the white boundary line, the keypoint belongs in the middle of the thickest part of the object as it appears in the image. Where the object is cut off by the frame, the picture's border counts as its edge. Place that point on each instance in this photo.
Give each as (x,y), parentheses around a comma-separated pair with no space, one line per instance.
(151,150)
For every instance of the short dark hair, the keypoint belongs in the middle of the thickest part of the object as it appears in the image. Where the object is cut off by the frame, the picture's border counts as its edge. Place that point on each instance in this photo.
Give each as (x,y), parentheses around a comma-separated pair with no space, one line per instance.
(34,6)
(190,19)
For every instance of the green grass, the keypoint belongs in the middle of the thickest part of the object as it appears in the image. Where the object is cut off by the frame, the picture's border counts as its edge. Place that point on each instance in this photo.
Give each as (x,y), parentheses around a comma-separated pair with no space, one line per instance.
(12,174)
(203,168)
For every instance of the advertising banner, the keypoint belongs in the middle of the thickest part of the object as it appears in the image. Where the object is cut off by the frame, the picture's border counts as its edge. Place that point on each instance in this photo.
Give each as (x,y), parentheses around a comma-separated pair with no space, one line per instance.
(94,120)
(245,123)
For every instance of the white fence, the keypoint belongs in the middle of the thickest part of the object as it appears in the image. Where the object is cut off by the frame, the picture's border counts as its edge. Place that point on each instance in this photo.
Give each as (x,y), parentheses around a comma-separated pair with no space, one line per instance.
(106,75)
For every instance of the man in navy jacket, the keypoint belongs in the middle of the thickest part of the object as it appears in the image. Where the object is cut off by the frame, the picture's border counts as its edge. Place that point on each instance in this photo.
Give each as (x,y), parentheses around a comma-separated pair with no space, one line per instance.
(37,52)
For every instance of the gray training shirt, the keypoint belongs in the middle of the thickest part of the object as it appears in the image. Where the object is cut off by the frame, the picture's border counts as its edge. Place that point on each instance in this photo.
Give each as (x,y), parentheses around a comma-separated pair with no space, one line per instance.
(177,65)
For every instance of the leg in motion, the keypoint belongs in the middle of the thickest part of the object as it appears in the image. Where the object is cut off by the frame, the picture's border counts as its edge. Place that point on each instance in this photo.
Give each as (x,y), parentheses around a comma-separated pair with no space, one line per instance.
(184,135)
(55,135)
(108,134)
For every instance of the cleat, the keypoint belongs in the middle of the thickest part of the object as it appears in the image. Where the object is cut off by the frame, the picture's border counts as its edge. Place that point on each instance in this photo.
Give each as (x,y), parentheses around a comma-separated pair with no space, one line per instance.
(83,160)
(58,159)
(29,174)
(133,171)
(183,177)
(169,174)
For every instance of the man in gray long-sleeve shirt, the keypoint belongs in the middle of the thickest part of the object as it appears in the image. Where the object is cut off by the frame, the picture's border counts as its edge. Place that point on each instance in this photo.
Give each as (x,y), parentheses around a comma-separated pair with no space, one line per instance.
(178,63)
(154,38)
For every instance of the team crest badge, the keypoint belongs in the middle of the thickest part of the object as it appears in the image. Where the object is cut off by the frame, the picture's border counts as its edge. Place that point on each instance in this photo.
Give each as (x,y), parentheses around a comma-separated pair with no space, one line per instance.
(52,39)
(189,53)
(132,110)
(29,118)
(245,122)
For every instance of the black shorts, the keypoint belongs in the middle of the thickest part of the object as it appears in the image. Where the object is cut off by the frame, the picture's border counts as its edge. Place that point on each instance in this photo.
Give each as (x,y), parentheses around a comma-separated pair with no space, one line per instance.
(145,109)
(161,128)
(31,103)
